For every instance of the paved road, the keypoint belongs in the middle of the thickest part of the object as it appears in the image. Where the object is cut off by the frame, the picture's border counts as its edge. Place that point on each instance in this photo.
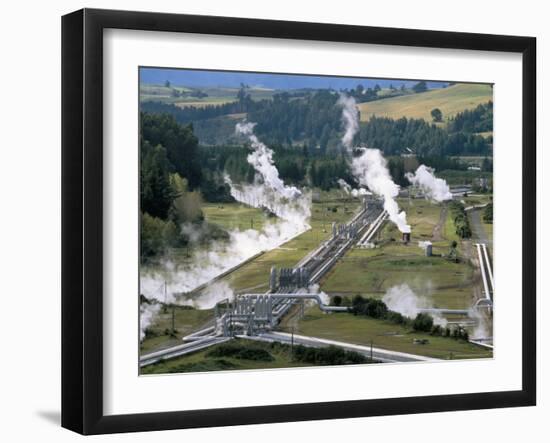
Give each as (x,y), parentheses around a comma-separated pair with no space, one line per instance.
(178,351)
(382,355)
(477,227)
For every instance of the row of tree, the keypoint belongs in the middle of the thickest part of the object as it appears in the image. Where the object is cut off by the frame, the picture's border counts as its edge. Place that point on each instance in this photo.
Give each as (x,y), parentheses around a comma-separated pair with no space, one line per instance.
(425,139)
(423,322)
(460,219)
(313,118)
(168,147)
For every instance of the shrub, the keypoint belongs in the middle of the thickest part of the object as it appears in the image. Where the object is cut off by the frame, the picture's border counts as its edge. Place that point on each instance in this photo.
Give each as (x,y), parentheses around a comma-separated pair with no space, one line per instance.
(423,322)
(370,307)
(396,317)
(460,219)
(241,352)
(331,355)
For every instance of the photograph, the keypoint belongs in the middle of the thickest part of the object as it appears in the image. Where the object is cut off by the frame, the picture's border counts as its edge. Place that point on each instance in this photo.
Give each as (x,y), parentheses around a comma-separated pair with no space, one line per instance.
(291,220)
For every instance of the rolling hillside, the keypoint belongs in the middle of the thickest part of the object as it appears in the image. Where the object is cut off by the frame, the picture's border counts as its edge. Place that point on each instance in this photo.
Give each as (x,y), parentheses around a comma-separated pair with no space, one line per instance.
(450,101)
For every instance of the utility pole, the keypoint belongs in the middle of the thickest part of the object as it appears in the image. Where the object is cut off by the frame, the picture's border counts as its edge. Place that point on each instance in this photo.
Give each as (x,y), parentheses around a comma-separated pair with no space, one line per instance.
(292,345)
(173,318)
(371,350)
(164,307)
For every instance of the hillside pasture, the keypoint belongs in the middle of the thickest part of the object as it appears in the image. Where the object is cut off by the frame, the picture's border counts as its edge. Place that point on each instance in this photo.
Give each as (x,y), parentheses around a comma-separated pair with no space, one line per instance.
(450,101)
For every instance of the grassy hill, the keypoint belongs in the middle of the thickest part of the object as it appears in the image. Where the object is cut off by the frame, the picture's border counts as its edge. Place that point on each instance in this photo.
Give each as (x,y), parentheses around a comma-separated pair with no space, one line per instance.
(449,100)
(215,96)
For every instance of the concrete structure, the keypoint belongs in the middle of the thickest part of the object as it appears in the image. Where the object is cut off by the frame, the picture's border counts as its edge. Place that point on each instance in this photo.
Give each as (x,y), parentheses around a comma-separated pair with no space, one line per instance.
(428,249)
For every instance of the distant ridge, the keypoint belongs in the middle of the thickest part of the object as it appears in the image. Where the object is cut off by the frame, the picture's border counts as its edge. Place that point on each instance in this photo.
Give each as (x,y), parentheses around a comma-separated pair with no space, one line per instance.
(197,78)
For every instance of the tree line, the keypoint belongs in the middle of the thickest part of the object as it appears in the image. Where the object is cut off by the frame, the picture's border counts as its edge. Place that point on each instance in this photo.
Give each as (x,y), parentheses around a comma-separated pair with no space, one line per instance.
(424,139)
(475,120)
(313,119)
(422,322)
(168,147)
(172,181)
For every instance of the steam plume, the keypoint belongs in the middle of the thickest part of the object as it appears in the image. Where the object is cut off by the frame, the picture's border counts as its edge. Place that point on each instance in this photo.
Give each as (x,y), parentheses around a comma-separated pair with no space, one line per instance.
(344,186)
(370,169)
(360,191)
(205,265)
(436,189)
(269,190)
(315,289)
(481,329)
(350,118)
(402,299)
(292,206)
(147,312)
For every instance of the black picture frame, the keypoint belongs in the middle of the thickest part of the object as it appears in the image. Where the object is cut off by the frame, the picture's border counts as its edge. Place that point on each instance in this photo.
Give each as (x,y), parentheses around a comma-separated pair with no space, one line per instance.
(82,218)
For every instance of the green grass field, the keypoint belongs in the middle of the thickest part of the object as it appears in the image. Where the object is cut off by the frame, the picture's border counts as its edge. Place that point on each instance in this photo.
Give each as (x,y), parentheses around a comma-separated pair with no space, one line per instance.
(449,230)
(185,320)
(215,96)
(204,102)
(383,334)
(256,273)
(202,362)
(234,216)
(445,283)
(372,272)
(369,272)
(449,100)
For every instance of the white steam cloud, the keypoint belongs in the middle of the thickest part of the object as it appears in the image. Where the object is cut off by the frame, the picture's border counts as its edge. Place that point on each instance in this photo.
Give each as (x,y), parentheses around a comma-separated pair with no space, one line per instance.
(292,207)
(205,265)
(481,329)
(315,289)
(350,118)
(403,299)
(435,189)
(213,294)
(359,192)
(344,186)
(147,313)
(268,190)
(370,167)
